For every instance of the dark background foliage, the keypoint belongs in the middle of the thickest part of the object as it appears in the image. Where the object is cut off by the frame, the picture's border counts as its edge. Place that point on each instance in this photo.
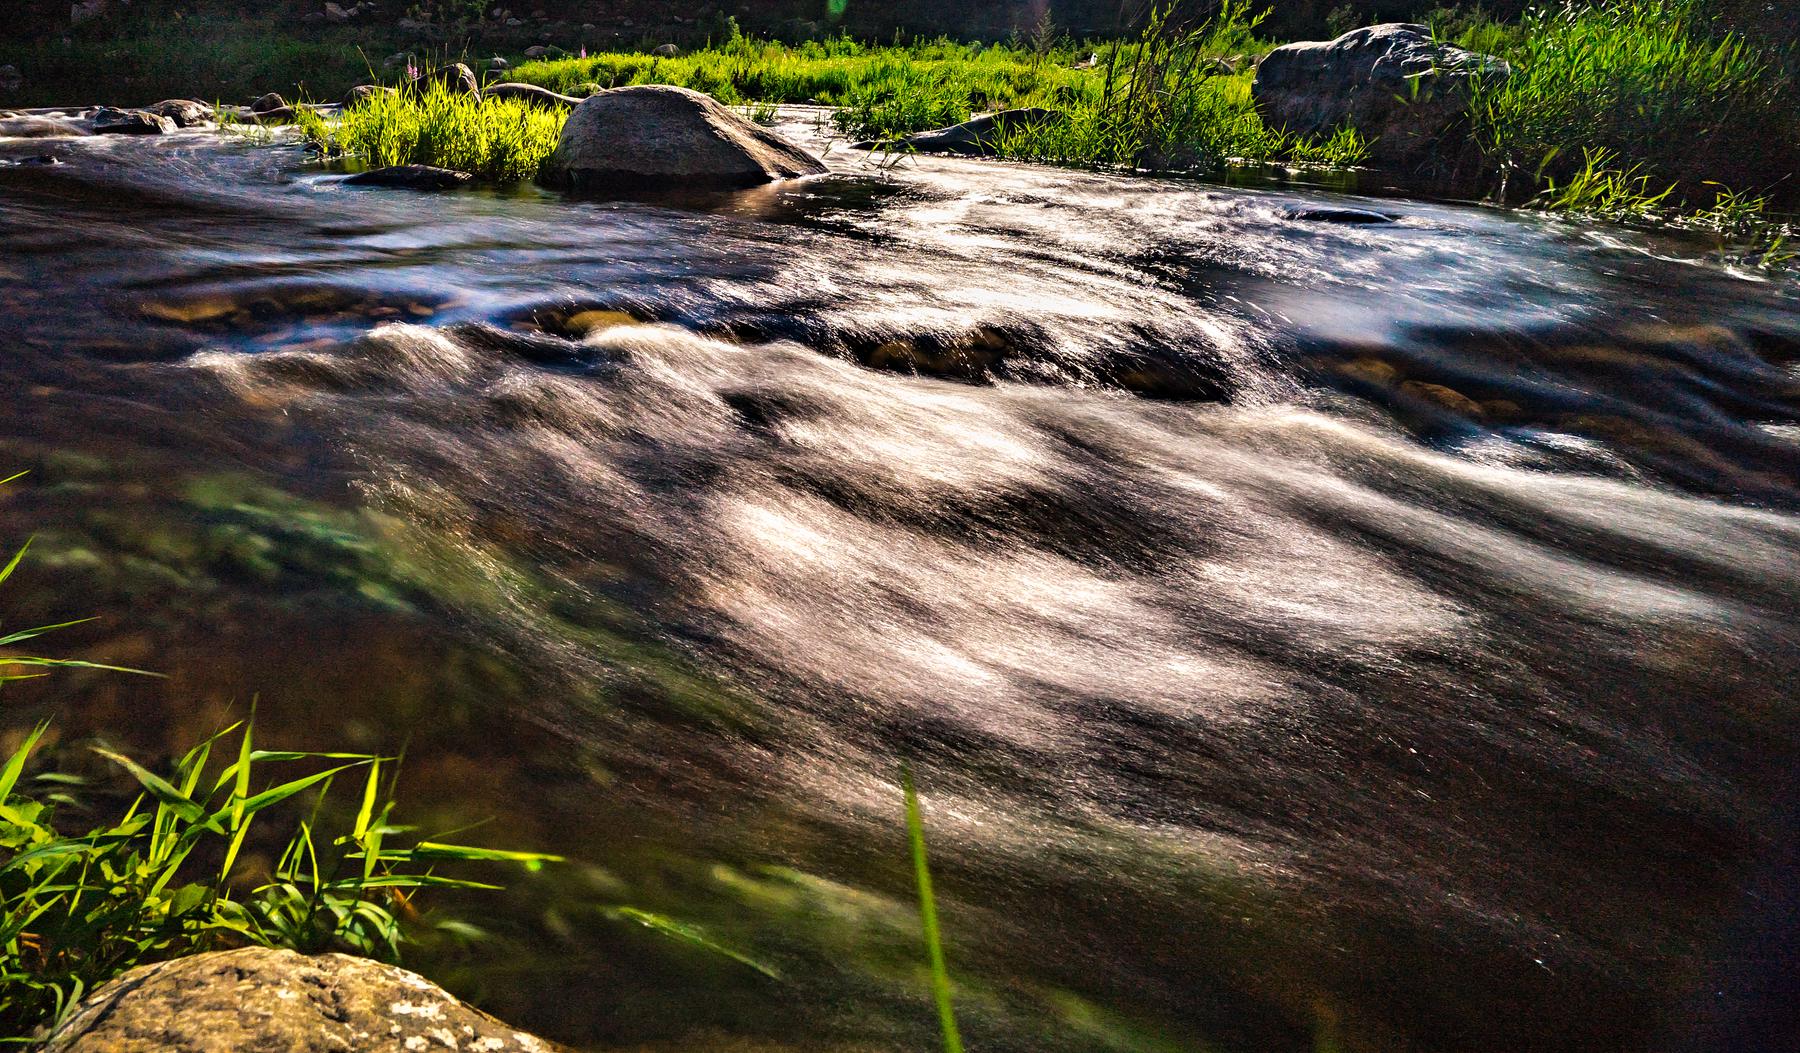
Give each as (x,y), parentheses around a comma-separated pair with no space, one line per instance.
(1288,19)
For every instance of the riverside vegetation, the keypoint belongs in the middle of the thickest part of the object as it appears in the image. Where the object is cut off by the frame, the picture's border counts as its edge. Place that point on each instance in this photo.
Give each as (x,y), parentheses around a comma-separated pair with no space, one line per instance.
(1639,111)
(171,876)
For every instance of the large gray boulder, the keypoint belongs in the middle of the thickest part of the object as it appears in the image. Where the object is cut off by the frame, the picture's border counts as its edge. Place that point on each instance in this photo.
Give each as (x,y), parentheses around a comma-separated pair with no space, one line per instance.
(980,136)
(1393,83)
(269,1001)
(654,135)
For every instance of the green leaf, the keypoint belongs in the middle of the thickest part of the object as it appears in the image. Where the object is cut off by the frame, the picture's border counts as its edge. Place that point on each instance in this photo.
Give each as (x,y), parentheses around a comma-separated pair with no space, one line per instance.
(277,794)
(691,934)
(9,776)
(435,850)
(157,786)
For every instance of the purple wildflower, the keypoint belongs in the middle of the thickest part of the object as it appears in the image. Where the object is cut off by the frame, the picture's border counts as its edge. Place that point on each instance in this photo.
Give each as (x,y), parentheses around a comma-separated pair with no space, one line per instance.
(412,72)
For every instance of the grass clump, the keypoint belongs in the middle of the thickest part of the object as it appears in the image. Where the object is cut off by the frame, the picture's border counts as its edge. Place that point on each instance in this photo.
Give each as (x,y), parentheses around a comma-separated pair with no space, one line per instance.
(170,875)
(1649,82)
(495,140)
(1165,103)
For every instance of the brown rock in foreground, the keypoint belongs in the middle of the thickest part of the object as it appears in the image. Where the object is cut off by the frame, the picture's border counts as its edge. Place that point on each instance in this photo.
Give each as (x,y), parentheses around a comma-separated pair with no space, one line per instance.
(257,1000)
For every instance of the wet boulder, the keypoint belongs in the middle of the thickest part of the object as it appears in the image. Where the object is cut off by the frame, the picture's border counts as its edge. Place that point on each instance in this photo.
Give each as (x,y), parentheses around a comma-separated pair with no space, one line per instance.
(530,93)
(411,177)
(186,113)
(666,51)
(1394,84)
(110,121)
(656,135)
(256,998)
(266,103)
(978,137)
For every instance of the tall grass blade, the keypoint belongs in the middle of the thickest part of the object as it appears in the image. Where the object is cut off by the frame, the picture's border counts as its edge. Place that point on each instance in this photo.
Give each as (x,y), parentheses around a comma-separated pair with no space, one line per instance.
(928,917)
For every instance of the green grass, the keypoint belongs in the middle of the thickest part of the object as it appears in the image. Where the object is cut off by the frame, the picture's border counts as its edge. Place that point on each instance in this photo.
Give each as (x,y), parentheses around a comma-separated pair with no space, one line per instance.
(498,141)
(891,90)
(82,903)
(1163,105)
(169,876)
(928,918)
(1646,82)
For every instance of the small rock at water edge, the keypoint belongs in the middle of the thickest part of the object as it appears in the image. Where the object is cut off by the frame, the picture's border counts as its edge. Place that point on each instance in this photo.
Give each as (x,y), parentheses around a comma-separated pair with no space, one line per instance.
(256,998)
(110,121)
(1349,216)
(411,177)
(186,113)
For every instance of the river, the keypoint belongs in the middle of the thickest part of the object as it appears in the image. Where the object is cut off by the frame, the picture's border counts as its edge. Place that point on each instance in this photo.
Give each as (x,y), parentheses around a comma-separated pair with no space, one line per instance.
(1305,635)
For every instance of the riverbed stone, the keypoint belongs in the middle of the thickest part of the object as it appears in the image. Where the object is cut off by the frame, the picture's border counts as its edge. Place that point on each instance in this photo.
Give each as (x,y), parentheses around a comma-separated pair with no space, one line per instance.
(1393,83)
(186,113)
(1342,215)
(363,93)
(278,1001)
(978,137)
(656,135)
(265,103)
(108,120)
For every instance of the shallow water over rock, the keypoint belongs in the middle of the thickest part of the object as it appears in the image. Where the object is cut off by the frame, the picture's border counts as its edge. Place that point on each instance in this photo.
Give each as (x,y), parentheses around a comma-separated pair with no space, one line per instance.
(1303,631)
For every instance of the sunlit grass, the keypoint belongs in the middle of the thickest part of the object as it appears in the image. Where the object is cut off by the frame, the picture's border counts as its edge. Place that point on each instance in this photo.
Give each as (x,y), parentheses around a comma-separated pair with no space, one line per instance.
(881,90)
(498,141)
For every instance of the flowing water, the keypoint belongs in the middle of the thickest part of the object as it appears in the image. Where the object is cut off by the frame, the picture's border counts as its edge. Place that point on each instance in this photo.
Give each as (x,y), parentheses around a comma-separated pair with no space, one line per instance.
(1306,635)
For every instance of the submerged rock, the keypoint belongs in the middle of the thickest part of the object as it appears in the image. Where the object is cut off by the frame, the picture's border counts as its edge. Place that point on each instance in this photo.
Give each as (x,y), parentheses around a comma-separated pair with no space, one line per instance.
(32,127)
(186,113)
(1348,216)
(529,93)
(1393,83)
(411,177)
(657,135)
(980,136)
(110,121)
(255,998)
